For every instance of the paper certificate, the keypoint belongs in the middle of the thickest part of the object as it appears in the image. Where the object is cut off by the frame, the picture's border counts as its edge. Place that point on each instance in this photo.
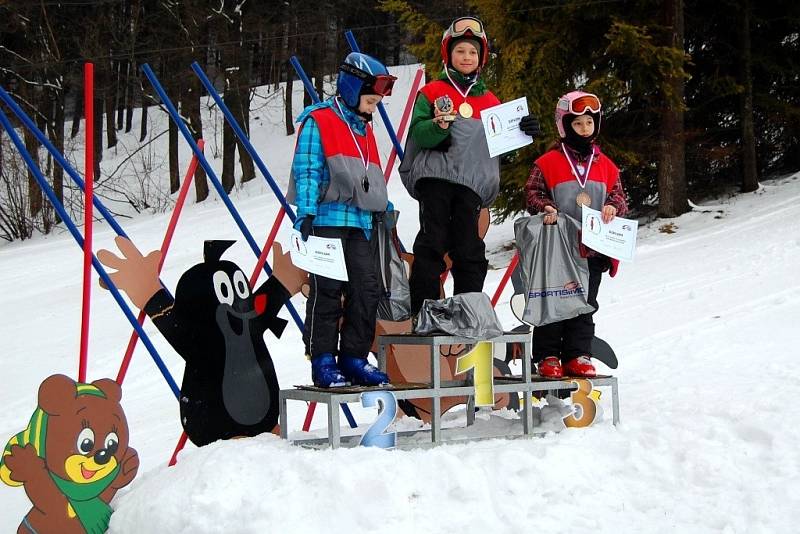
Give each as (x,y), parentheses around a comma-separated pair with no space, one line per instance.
(318,255)
(501,125)
(616,239)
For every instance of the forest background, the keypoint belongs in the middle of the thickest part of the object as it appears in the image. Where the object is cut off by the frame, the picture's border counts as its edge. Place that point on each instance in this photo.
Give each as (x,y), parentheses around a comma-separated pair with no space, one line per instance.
(700,98)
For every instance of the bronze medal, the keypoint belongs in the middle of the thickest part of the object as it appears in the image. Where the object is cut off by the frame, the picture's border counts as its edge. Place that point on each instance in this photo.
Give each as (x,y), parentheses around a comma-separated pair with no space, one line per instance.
(465,110)
(583,199)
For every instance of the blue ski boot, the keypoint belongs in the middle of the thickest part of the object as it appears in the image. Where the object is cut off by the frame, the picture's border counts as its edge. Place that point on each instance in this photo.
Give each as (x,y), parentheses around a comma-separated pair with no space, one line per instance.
(360,372)
(325,373)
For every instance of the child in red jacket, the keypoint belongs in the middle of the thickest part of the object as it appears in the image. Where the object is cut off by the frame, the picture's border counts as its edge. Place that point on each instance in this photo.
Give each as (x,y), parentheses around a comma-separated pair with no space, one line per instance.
(571,174)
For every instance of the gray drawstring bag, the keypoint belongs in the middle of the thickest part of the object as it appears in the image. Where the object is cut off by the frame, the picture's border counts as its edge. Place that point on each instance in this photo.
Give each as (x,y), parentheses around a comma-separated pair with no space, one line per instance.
(554,275)
(468,315)
(395,300)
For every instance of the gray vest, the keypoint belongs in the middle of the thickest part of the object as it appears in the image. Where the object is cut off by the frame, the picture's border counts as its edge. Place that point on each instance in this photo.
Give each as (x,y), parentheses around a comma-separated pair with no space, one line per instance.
(466,162)
(346,171)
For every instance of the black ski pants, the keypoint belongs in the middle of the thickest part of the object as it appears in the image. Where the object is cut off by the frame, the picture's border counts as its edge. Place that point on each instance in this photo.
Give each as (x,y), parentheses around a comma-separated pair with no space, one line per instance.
(573,337)
(448,223)
(356,301)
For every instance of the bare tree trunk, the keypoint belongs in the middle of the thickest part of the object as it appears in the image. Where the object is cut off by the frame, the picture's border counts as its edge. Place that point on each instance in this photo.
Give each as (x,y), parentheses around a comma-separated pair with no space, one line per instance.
(749,168)
(34,191)
(77,115)
(672,194)
(190,107)
(57,135)
(230,98)
(98,133)
(143,126)
(174,178)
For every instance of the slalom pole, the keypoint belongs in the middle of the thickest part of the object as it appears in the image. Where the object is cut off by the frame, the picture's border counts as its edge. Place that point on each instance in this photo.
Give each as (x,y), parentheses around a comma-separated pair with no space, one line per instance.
(240,133)
(176,118)
(310,89)
(178,448)
(267,247)
(59,207)
(506,277)
(381,108)
(88,192)
(173,222)
(418,77)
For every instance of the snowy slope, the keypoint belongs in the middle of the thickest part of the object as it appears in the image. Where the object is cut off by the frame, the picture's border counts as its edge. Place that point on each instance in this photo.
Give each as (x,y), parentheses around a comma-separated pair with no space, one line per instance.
(704,323)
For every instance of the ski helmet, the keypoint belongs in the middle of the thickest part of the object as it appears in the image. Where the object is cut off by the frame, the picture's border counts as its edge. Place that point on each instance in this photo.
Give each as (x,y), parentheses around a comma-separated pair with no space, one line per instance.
(361,74)
(465,28)
(574,104)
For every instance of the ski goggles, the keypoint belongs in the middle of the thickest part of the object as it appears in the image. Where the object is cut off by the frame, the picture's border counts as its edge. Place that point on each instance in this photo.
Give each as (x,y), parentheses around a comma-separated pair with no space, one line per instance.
(381,84)
(463,25)
(580,105)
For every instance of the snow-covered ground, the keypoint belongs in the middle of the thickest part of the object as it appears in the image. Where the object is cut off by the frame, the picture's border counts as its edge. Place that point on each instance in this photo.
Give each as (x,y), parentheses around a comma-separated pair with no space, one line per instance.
(704,323)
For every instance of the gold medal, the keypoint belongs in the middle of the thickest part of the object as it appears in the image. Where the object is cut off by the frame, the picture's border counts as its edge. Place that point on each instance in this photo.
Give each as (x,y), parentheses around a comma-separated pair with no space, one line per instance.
(583,199)
(465,110)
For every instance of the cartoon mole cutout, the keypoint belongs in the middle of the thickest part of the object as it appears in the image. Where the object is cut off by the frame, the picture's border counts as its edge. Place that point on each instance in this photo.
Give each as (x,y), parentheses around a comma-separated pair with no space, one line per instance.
(217,324)
(72,458)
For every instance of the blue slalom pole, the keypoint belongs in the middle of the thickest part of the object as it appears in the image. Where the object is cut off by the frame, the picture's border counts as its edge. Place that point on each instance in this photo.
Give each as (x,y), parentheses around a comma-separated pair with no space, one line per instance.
(176,118)
(310,89)
(98,267)
(240,133)
(351,40)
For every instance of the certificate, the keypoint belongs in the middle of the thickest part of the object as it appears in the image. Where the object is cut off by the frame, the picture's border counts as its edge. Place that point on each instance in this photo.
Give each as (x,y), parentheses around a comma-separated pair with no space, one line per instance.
(501,125)
(318,255)
(616,239)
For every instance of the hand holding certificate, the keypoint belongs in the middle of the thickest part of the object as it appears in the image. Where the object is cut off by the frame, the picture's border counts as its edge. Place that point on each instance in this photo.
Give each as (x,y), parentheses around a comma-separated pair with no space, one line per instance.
(616,239)
(318,255)
(501,125)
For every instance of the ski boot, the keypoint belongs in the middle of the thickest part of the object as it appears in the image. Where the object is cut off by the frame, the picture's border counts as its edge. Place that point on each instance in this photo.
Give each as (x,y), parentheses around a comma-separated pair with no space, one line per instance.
(581,367)
(360,372)
(325,373)
(550,367)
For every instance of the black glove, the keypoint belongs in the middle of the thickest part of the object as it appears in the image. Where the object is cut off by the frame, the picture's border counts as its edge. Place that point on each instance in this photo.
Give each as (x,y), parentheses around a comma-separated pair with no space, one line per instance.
(305,226)
(530,125)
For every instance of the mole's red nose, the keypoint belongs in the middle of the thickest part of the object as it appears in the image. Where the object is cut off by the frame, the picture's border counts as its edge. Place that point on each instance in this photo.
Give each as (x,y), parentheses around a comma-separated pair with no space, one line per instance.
(260,304)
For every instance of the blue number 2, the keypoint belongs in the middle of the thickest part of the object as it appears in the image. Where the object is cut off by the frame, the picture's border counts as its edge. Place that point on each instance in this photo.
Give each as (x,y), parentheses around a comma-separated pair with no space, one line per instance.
(387,410)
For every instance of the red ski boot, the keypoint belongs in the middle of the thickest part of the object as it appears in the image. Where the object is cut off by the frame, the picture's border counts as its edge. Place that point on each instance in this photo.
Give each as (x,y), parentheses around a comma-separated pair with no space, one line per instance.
(581,367)
(550,367)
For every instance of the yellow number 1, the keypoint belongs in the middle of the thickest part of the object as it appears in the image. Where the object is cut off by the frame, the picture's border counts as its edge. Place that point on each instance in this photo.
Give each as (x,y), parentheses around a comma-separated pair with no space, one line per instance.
(480,359)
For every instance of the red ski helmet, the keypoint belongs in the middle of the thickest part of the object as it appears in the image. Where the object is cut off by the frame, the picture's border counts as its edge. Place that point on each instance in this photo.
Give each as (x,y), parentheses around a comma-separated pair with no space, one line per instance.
(468,28)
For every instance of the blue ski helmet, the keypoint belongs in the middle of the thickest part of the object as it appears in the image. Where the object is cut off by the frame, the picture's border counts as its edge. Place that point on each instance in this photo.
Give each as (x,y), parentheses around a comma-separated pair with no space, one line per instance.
(361,74)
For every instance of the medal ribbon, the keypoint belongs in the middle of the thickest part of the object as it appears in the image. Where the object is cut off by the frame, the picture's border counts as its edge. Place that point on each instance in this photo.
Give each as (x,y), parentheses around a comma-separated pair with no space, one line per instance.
(364,159)
(457,88)
(581,177)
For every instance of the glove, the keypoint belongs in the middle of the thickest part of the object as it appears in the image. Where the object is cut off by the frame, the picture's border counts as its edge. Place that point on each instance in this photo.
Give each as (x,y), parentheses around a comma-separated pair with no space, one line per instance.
(530,125)
(305,226)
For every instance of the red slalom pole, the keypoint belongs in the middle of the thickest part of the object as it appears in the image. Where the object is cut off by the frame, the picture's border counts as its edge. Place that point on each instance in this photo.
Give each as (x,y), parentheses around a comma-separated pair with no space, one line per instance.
(88,161)
(178,448)
(309,415)
(173,222)
(504,280)
(267,247)
(412,97)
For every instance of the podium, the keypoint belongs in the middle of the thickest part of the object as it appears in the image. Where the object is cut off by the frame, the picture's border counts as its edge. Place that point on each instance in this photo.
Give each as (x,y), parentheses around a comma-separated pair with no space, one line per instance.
(436,389)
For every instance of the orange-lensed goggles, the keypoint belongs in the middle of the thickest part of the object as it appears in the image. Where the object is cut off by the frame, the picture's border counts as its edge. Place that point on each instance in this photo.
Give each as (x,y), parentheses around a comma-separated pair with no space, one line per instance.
(381,84)
(584,103)
(463,25)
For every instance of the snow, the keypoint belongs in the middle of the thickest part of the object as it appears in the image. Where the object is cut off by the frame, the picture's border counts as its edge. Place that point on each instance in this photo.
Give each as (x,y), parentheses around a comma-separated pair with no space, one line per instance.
(704,322)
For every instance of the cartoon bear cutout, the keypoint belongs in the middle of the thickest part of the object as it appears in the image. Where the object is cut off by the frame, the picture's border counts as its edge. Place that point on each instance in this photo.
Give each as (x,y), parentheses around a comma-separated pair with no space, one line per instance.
(216,323)
(72,458)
